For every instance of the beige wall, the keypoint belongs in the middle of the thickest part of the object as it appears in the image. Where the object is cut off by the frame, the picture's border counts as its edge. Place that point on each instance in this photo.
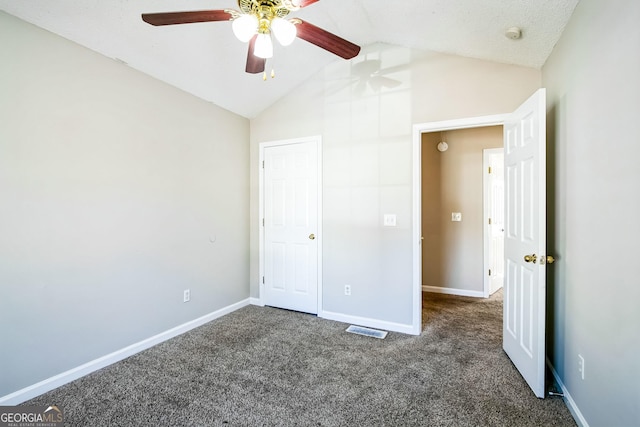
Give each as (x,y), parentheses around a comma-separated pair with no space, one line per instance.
(593,109)
(433,255)
(117,193)
(367,155)
(452,181)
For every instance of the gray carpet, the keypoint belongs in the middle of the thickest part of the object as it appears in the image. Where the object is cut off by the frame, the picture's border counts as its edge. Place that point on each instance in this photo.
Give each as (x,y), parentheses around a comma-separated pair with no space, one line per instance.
(270,367)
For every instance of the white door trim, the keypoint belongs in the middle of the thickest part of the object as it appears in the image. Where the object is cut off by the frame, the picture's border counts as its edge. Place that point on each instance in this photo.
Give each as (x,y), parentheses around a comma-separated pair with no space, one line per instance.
(418,130)
(319,237)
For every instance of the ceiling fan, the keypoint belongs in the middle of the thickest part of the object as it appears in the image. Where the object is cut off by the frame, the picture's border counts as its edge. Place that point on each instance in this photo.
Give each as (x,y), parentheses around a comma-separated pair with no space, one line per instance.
(256,21)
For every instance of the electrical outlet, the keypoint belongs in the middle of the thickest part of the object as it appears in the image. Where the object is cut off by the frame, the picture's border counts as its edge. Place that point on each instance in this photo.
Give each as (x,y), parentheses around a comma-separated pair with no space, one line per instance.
(389,220)
(581,365)
(186,297)
(347,289)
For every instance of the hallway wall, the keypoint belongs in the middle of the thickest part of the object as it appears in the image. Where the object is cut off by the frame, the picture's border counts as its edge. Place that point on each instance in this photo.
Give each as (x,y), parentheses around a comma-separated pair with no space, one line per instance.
(452,181)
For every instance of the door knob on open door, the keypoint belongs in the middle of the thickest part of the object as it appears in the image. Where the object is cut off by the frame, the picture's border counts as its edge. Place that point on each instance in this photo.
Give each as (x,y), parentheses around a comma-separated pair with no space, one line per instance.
(548,259)
(531,258)
(312,236)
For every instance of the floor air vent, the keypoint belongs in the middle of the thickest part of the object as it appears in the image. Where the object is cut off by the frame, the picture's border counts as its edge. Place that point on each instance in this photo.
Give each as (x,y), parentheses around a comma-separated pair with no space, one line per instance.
(367,332)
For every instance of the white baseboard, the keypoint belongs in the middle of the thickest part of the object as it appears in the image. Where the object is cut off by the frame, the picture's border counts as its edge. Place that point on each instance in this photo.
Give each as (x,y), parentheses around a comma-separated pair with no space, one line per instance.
(453,291)
(56,381)
(371,323)
(256,301)
(568,400)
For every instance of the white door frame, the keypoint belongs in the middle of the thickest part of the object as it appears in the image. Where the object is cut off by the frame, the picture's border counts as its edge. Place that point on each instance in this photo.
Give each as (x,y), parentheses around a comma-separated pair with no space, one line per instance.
(418,130)
(486,234)
(319,236)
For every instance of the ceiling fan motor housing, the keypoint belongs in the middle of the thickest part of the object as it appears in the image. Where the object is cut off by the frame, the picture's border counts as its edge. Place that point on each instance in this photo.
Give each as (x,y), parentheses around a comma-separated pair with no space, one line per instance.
(268,9)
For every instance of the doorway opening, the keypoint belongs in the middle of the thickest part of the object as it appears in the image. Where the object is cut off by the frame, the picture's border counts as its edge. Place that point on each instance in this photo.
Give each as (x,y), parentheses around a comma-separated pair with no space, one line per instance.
(462,204)
(523,333)
(418,131)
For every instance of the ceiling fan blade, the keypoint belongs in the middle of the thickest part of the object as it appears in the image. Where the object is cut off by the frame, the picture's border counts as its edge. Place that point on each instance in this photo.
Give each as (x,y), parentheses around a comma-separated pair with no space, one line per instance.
(305,3)
(255,64)
(326,40)
(170,18)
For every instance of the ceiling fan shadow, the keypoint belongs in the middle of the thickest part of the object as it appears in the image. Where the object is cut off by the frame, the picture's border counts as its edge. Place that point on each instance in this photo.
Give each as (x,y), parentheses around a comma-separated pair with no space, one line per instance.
(366,75)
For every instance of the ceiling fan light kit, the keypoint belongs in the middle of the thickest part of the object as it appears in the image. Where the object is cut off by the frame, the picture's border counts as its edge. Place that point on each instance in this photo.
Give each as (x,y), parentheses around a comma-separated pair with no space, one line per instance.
(285,31)
(264,46)
(255,22)
(244,27)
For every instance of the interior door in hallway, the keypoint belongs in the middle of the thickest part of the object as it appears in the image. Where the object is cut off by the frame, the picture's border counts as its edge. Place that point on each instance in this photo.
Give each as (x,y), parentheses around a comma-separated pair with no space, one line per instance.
(494,219)
(291,226)
(525,240)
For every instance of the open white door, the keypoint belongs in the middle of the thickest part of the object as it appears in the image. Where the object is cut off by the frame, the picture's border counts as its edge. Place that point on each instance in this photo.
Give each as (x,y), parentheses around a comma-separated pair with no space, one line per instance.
(291,226)
(525,240)
(493,160)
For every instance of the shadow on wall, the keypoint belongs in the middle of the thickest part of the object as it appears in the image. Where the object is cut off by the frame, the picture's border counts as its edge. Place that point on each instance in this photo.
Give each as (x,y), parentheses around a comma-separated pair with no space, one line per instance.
(555,295)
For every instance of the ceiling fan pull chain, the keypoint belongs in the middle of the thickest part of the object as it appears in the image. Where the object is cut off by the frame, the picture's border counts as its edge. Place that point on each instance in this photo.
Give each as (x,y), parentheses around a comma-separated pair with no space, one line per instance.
(273,67)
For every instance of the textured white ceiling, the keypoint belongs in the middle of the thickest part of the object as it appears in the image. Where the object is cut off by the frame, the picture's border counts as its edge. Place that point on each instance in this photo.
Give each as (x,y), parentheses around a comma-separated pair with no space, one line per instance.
(206,60)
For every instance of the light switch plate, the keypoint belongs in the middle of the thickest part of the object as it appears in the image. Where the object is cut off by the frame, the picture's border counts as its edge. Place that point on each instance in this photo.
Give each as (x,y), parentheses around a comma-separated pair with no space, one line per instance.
(456,216)
(389,220)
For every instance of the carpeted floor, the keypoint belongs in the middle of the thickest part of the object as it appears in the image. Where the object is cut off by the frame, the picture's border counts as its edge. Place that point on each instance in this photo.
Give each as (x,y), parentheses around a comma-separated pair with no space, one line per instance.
(270,367)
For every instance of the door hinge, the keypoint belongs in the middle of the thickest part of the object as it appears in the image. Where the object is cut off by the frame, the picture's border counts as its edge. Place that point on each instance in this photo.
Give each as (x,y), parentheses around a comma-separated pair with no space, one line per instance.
(263,280)
(489,221)
(263,164)
(489,169)
(263,222)
(489,272)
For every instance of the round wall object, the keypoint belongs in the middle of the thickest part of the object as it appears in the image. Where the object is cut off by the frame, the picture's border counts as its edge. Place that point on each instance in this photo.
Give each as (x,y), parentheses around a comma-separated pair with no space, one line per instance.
(443,146)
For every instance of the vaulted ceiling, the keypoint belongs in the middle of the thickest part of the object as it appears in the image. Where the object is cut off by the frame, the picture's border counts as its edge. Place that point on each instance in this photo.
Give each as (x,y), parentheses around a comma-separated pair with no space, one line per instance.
(206,59)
